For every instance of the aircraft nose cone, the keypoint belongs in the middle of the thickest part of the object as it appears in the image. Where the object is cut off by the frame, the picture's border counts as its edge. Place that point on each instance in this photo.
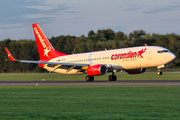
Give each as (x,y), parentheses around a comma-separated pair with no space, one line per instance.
(172,56)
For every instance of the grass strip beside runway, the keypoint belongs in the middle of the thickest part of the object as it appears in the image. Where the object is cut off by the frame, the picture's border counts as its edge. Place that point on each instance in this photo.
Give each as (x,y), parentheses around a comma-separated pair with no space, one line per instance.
(90,102)
(56,76)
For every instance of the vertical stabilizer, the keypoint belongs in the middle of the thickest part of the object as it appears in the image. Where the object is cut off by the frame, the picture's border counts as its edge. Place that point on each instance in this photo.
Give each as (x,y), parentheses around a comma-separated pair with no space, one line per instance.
(45,49)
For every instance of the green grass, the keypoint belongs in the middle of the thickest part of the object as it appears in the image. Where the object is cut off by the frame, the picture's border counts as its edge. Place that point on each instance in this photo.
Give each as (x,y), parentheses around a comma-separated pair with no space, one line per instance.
(90,102)
(56,76)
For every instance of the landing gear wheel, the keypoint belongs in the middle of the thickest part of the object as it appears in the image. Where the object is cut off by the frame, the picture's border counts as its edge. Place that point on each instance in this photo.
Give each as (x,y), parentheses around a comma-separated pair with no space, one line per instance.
(89,78)
(112,78)
(159,72)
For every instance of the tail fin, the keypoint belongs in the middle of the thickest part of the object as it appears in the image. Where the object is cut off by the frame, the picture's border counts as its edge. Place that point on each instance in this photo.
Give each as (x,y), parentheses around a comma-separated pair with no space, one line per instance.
(45,49)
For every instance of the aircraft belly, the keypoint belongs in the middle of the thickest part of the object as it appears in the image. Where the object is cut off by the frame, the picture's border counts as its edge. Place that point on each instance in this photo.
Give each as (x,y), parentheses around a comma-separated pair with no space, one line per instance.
(132,64)
(126,64)
(64,71)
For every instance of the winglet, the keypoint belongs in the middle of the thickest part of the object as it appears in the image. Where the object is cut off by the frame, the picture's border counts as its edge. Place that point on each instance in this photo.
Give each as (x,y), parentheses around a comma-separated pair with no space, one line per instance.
(9,55)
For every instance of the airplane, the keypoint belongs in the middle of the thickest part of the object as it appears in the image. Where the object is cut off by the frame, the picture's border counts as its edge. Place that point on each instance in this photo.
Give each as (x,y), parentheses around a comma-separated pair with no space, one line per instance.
(133,60)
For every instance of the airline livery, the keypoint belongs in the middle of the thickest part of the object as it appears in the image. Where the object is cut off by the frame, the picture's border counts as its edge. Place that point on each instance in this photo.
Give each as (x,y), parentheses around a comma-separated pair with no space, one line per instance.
(133,60)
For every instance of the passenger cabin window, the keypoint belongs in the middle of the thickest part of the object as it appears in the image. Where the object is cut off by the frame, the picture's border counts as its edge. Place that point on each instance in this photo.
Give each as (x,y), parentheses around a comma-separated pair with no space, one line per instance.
(162,51)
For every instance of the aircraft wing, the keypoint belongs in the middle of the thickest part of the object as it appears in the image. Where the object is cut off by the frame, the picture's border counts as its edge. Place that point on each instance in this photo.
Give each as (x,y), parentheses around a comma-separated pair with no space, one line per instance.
(42,62)
(52,63)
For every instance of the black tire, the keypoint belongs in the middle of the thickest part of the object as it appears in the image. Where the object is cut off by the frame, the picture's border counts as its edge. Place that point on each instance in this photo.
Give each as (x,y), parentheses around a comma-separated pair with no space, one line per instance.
(114,77)
(89,78)
(159,72)
(92,78)
(110,78)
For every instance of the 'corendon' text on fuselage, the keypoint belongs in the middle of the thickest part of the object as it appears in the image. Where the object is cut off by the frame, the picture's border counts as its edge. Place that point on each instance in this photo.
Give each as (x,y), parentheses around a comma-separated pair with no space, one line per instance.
(128,55)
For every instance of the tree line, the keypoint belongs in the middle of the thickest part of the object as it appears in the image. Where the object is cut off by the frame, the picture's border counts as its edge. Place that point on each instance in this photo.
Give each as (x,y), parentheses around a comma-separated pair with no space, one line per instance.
(103,39)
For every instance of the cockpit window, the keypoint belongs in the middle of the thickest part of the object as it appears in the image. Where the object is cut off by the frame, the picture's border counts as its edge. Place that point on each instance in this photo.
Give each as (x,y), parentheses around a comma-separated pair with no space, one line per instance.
(162,51)
(165,51)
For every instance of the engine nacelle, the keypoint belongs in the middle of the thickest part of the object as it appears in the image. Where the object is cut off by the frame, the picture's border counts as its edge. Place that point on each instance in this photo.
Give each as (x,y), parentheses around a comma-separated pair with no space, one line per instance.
(96,70)
(136,71)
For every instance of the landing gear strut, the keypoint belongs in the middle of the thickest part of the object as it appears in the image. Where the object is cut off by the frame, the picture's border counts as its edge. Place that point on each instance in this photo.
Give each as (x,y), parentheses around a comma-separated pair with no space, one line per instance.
(159,72)
(89,78)
(112,77)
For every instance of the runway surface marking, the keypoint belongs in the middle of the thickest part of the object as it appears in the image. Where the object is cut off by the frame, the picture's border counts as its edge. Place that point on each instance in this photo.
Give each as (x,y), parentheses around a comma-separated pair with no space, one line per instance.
(94,83)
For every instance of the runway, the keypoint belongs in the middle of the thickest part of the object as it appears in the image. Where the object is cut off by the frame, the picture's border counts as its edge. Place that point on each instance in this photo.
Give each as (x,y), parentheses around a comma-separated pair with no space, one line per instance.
(94,83)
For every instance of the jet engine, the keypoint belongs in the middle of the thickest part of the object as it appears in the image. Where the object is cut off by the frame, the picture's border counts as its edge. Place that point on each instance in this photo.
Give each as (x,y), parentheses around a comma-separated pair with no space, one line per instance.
(136,71)
(96,70)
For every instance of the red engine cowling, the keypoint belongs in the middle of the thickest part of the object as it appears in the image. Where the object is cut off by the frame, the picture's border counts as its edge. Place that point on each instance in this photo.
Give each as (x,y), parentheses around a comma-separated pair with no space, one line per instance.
(136,71)
(96,70)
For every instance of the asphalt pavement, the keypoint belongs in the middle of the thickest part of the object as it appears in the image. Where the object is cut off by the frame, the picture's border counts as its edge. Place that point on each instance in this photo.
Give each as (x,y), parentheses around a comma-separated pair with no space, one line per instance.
(94,83)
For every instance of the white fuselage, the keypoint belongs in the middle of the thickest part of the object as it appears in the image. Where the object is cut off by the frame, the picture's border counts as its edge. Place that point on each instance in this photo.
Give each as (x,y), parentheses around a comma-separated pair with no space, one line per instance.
(118,59)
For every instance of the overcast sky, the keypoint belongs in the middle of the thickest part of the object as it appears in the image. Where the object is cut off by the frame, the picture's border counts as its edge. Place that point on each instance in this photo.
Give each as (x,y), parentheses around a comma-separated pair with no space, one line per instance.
(78,17)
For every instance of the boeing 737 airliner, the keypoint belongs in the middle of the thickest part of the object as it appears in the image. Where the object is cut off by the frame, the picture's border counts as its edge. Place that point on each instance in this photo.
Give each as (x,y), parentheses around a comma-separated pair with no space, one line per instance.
(133,60)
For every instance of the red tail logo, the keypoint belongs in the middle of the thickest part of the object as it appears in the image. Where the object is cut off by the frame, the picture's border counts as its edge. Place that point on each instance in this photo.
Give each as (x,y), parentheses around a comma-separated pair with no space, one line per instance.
(46,50)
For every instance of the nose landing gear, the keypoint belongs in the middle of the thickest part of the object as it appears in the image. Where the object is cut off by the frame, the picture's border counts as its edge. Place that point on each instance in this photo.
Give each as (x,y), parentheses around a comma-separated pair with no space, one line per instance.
(159,72)
(160,67)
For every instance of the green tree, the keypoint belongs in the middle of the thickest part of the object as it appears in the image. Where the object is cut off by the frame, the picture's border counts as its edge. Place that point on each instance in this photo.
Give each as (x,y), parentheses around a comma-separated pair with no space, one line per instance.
(91,33)
(120,36)
(137,34)
(162,41)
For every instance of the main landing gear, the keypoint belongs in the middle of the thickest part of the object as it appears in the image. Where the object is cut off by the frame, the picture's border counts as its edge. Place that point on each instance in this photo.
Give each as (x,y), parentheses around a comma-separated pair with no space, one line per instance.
(89,78)
(112,77)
